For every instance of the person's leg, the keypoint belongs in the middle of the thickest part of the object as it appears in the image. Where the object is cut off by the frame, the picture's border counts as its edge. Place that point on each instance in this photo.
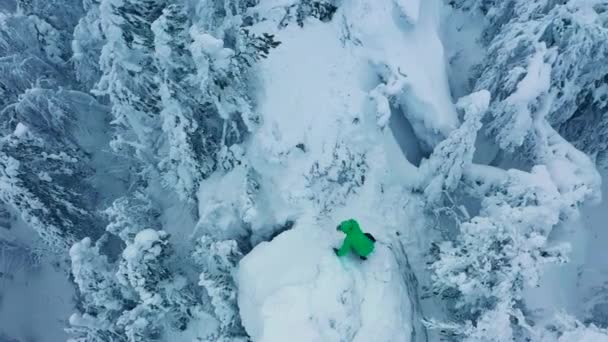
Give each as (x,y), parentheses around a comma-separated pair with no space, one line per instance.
(371,237)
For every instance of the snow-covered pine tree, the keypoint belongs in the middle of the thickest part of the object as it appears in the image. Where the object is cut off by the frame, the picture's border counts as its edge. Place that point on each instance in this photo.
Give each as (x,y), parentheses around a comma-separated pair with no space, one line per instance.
(102,299)
(192,127)
(298,11)
(321,9)
(562,41)
(203,72)
(49,134)
(130,75)
(494,255)
(53,28)
(164,299)
(87,42)
(218,259)
(8,6)
(499,252)
(222,79)
(32,53)
(443,170)
(138,298)
(128,215)
(47,171)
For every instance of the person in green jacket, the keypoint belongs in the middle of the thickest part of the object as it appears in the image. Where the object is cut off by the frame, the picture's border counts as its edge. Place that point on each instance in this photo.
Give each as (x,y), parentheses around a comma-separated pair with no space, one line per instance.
(357,241)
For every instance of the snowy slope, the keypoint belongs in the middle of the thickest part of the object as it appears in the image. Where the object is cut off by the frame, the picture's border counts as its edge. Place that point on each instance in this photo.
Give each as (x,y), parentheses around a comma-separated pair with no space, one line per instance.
(294,288)
(341,94)
(409,59)
(36,296)
(319,109)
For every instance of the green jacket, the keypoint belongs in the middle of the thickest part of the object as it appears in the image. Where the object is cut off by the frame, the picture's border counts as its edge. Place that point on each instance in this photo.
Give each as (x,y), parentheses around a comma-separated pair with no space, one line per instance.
(355,239)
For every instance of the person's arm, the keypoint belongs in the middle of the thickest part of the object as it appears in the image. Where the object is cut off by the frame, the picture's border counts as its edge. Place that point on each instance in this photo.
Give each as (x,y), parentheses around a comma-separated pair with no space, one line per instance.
(344,249)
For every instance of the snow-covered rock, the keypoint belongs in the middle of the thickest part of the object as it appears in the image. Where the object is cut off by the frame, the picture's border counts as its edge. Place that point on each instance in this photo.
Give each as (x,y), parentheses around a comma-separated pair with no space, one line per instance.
(294,288)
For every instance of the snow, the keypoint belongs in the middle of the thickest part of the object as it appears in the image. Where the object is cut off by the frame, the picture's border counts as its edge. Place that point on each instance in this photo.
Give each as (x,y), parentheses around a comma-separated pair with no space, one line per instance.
(20,130)
(313,98)
(476,103)
(144,241)
(410,9)
(417,62)
(211,46)
(344,94)
(36,295)
(536,81)
(295,288)
(36,304)
(460,33)
(350,117)
(584,336)
(146,238)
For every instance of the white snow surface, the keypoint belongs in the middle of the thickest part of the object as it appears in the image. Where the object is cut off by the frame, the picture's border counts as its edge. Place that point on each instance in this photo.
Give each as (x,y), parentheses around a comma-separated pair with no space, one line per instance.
(294,288)
(416,62)
(410,9)
(339,99)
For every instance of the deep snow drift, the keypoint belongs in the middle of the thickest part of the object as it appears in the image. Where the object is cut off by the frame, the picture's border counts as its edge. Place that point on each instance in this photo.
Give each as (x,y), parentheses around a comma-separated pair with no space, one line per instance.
(295,288)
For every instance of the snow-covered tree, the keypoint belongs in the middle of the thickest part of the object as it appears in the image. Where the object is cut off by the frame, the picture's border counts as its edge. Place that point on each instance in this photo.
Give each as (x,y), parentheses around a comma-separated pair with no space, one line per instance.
(221,77)
(332,180)
(46,171)
(541,61)
(101,297)
(163,298)
(138,298)
(53,28)
(87,42)
(142,295)
(298,11)
(482,273)
(545,58)
(63,21)
(32,53)
(567,328)
(224,49)
(47,146)
(129,74)
(131,214)
(219,259)
(444,169)
(194,131)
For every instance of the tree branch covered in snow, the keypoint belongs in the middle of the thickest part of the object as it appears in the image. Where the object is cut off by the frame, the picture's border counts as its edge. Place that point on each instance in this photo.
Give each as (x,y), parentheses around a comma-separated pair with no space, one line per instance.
(219,260)
(444,169)
(141,296)
(45,171)
(545,56)
(534,79)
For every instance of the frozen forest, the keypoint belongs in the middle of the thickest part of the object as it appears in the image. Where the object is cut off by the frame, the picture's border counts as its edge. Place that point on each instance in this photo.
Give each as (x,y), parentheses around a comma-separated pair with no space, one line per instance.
(174,170)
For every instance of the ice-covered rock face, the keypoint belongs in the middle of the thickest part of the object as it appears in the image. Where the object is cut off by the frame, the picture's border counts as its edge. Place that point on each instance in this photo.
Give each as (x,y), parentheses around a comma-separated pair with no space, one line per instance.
(295,289)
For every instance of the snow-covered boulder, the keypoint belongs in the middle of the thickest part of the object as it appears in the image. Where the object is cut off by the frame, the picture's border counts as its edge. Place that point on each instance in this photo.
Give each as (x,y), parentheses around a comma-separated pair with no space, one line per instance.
(295,289)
